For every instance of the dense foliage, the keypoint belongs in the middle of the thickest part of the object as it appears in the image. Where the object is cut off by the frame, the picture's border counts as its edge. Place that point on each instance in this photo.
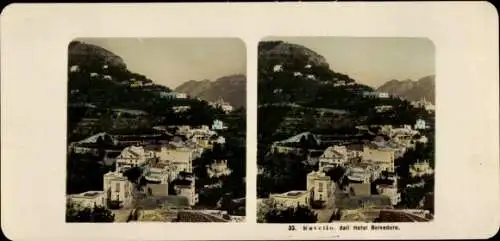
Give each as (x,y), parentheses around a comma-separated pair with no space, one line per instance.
(98,214)
(291,215)
(84,173)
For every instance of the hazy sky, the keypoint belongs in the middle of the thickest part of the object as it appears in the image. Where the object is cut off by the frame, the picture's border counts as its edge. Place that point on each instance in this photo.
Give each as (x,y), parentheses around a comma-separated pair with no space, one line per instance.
(373,61)
(171,61)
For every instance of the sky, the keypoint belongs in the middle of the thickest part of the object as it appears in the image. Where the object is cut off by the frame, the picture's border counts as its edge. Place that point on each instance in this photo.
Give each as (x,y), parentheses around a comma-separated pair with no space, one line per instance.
(173,61)
(373,61)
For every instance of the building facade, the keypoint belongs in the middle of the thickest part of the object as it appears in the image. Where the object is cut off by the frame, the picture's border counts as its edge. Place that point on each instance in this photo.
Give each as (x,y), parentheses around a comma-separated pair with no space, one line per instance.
(117,188)
(290,199)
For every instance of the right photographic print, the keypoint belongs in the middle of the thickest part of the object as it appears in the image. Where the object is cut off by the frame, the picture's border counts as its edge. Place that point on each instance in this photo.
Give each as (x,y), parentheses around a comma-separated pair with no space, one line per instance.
(345,129)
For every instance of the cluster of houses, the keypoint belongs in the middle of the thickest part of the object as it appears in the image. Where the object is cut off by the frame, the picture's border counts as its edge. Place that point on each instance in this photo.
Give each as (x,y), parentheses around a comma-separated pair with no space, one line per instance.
(423,103)
(166,162)
(133,83)
(381,95)
(224,106)
(173,95)
(370,171)
(336,81)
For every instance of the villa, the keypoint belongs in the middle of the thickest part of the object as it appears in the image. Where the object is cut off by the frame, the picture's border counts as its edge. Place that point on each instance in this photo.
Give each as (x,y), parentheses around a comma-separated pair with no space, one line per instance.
(117,188)
(132,156)
(333,156)
(218,169)
(320,186)
(420,169)
(290,199)
(89,199)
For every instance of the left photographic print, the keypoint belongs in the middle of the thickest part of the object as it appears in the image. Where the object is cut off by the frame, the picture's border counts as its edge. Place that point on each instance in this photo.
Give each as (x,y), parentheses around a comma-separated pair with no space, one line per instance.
(156,130)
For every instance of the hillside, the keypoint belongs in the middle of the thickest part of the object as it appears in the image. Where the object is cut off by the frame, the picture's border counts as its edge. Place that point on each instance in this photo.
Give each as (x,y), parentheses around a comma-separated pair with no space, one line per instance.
(298,91)
(230,88)
(411,90)
(295,74)
(100,86)
(100,77)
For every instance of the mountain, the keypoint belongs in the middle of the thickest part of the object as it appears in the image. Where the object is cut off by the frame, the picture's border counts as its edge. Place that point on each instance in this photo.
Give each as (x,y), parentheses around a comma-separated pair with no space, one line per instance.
(411,90)
(292,73)
(277,51)
(89,55)
(104,93)
(99,77)
(231,89)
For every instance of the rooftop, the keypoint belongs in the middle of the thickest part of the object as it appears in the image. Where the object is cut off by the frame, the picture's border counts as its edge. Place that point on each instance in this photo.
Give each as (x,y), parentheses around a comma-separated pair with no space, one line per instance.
(158,190)
(88,194)
(292,194)
(361,188)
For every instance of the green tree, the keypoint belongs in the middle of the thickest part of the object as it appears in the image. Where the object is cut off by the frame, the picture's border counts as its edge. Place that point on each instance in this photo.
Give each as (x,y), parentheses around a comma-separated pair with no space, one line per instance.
(336,173)
(97,214)
(298,214)
(133,174)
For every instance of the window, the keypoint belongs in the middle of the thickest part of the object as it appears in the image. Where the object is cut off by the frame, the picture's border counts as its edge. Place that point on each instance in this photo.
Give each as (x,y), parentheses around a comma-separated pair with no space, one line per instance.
(320,187)
(117,187)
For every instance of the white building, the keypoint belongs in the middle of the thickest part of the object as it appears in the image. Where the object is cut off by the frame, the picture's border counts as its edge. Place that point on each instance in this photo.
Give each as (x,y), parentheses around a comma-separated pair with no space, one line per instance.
(107,77)
(94,74)
(320,186)
(167,95)
(88,199)
(132,156)
(333,156)
(296,74)
(178,160)
(420,125)
(359,175)
(105,66)
(202,131)
(218,168)
(181,95)
(158,174)
(218,125)
(311,77)
(226,107)
(290,199)
(172,95)
(278,68)
(420,169)
(181,108)
(220,140)
(382,156)
(308,66)
(74,68)
(423,103)
(383,95)
(117,188)
(203,141)
(220,103)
